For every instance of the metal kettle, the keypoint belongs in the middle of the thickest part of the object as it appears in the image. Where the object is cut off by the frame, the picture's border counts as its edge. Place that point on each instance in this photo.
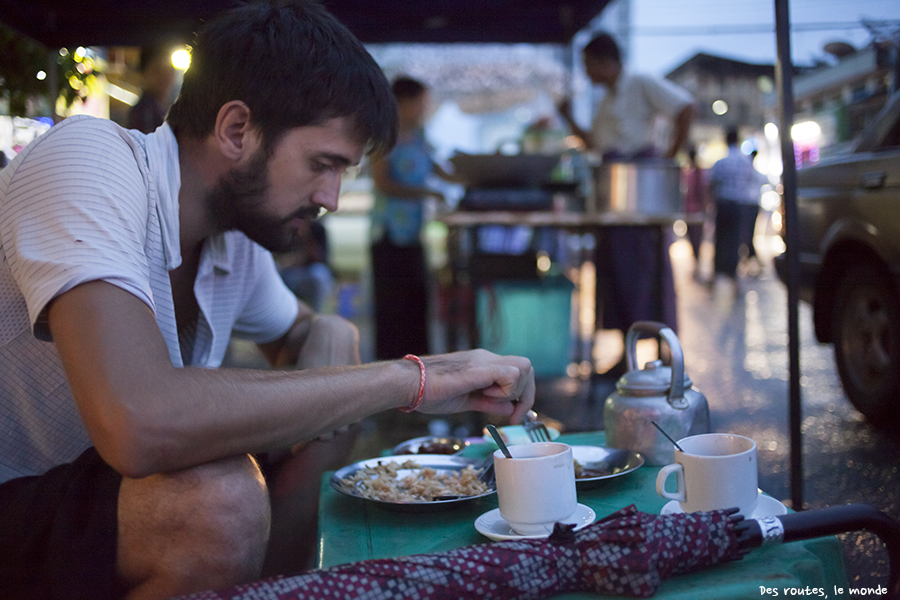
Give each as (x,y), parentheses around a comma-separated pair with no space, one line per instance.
(658,392)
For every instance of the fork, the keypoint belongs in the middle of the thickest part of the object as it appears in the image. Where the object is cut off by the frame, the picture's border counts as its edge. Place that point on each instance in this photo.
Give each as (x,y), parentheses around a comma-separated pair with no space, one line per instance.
(536,430)
(487,476)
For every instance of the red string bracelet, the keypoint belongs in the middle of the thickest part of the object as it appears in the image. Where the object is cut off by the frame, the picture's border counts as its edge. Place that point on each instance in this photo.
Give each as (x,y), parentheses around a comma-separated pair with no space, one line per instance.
(418,401)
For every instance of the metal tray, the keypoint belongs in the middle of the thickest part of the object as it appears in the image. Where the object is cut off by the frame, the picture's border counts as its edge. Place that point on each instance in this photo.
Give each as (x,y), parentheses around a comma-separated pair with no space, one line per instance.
(613,462)
(435,461)
(413,447)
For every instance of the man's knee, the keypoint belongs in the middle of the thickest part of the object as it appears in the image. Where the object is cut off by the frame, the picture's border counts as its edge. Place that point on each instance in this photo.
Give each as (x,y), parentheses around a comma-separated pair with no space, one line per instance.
(206,526)
(232,492)
(337,328)
(332,340)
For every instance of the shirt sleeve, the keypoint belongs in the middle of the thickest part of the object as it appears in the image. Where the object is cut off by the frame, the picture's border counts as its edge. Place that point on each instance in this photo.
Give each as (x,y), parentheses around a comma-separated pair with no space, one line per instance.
(74,210)
(664,96)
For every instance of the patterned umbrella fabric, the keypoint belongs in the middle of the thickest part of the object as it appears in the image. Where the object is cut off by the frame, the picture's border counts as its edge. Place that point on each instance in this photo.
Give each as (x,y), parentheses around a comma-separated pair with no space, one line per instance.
(628,553)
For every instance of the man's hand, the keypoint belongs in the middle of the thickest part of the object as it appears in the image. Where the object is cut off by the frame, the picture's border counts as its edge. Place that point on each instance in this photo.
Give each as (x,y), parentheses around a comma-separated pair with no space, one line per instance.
(478,380)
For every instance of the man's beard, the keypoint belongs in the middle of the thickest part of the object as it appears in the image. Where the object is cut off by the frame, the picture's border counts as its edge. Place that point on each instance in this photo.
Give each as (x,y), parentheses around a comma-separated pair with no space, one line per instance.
(236,203)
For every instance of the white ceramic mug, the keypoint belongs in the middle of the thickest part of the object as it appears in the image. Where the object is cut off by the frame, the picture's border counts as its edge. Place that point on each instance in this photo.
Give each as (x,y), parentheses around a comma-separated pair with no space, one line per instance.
(536,488)
(714,471)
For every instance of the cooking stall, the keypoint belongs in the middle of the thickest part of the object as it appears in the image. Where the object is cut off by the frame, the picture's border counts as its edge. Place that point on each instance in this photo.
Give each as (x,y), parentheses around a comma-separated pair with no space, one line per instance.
(530,237)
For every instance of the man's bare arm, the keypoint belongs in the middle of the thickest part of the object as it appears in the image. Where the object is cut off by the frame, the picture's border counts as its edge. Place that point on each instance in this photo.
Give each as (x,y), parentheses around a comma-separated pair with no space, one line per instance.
(565,111)
(146,416)
(682,128)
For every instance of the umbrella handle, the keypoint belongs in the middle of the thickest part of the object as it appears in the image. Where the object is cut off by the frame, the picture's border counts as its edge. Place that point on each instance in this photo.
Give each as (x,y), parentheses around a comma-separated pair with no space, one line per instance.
(827,521)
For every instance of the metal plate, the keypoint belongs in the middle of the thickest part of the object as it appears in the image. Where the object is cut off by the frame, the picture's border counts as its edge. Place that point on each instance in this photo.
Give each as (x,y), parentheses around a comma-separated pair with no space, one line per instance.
(421,445)
(439,462)
(606,462)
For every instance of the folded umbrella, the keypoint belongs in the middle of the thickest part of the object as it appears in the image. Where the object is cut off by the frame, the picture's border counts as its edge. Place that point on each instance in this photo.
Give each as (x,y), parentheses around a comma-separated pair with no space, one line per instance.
(628,553)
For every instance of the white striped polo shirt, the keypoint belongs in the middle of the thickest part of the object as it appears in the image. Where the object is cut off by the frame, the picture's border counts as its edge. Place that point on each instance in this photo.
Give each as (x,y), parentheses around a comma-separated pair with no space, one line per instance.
(90,200)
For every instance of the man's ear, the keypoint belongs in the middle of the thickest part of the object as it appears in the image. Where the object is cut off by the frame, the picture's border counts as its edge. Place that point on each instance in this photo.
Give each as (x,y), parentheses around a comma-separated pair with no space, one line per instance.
(233,133)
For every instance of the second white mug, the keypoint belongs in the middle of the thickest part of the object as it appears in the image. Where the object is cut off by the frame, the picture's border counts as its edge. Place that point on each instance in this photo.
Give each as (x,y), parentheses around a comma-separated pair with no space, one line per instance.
(714,471)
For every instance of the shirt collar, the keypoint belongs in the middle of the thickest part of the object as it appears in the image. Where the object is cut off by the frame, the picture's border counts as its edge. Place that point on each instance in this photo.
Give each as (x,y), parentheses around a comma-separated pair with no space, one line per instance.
(162,155)
(162,152)
(217,253)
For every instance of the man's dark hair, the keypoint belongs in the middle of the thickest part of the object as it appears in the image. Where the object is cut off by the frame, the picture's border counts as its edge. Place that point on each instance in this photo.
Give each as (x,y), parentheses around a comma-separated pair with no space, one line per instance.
(731,136)
(603,46)
(405,88)
(294,65)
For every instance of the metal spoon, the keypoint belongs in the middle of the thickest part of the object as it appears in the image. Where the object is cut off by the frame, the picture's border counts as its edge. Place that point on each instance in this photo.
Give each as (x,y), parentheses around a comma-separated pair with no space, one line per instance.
(668,437)
(496,435)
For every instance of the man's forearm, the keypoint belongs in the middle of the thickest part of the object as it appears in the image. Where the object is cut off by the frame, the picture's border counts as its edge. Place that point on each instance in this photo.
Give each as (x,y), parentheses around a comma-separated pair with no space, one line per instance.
(224,412)
(682,126)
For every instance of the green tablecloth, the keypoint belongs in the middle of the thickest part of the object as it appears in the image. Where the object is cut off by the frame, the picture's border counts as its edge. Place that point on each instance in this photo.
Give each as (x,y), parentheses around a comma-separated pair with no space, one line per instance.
(351,529)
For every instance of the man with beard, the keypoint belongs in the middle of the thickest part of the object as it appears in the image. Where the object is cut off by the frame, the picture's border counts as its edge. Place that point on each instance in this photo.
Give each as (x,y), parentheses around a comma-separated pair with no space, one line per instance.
(126,263)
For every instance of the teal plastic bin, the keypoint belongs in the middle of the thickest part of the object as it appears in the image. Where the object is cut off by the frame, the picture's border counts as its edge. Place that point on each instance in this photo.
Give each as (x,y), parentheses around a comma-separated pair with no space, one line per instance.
(528,318)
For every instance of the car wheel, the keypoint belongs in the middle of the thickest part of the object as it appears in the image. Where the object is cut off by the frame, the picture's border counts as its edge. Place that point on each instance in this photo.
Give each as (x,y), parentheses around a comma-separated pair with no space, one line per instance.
(866,328)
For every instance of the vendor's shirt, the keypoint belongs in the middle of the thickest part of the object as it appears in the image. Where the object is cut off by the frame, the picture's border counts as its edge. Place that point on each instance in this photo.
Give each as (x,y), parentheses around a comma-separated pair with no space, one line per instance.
(86,201)
(401,219)
(625,120)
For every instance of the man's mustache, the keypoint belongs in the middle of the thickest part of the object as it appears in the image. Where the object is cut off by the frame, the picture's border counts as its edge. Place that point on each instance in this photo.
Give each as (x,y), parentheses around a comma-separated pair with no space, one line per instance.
(309,213)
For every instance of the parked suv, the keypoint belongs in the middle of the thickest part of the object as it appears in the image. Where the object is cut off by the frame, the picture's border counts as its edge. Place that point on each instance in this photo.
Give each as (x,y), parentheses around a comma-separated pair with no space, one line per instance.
(849,254)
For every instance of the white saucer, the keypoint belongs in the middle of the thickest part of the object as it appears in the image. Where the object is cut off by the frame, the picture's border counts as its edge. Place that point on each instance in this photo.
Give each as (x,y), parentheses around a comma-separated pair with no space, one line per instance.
(766,507)
(492,525)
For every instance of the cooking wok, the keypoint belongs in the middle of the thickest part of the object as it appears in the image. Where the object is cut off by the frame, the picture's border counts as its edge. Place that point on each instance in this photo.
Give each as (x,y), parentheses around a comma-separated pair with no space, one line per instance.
(504,170)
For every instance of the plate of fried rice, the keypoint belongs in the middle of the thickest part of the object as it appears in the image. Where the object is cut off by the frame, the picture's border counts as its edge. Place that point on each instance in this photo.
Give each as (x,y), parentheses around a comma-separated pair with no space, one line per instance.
(420,482)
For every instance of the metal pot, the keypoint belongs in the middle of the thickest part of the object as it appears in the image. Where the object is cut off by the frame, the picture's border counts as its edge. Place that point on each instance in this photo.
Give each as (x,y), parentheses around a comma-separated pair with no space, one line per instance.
(656,393)
(649,186)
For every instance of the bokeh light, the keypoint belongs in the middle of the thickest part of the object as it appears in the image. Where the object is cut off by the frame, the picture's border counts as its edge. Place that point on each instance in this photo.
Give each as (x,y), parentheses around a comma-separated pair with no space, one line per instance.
(181,59)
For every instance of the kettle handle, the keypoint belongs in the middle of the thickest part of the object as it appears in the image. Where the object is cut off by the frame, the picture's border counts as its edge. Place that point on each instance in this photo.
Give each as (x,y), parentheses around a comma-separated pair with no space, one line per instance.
(676,390)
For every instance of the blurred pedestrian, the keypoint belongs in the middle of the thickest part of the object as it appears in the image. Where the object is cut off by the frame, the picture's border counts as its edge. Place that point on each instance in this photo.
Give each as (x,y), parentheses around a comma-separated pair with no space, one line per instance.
(696,203)
(398,258)
(750,228)
(158,75)
(732,181)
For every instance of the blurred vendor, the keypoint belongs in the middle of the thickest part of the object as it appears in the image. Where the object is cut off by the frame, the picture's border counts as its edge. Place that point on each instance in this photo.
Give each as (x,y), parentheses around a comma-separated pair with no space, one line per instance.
(623,126)
(638,282)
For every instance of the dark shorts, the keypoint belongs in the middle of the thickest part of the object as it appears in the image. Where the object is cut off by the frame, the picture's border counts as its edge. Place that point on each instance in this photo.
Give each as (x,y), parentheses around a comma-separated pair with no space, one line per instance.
(58,533)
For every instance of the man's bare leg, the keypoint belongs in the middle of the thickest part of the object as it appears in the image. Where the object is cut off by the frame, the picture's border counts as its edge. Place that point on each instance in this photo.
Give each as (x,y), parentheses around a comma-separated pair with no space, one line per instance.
(192,530)
(294,481)
(294,492)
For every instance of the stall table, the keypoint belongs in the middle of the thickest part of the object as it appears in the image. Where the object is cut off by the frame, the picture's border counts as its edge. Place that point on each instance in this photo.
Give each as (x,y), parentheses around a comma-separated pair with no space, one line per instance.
(461,249)
(352,529)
